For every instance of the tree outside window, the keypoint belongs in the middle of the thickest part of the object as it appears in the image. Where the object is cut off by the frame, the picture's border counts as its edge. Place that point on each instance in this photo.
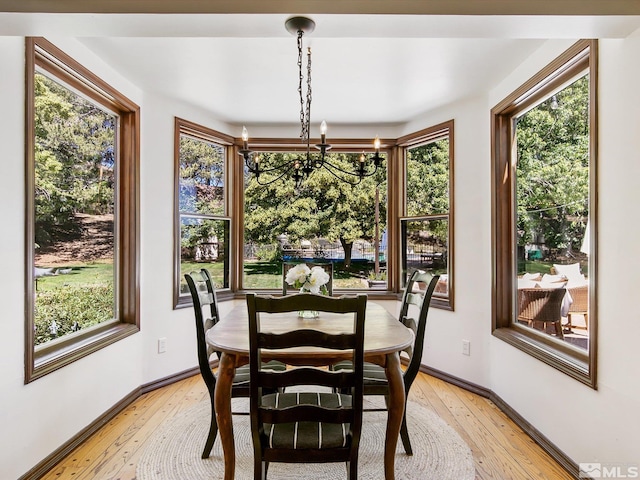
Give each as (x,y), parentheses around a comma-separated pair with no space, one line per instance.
(325,220)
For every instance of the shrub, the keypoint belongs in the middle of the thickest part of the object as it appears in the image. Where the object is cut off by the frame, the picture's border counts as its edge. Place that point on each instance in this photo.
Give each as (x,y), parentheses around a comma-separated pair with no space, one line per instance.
(87,305)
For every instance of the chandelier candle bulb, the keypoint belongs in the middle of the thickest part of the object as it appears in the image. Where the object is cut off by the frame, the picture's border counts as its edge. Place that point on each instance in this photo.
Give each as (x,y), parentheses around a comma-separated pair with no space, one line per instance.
(323,132)
(245,139)
(376,145)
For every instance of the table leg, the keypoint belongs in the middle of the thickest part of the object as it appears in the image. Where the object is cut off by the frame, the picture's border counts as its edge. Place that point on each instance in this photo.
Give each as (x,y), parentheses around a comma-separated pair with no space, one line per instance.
(395,412)
(226,372)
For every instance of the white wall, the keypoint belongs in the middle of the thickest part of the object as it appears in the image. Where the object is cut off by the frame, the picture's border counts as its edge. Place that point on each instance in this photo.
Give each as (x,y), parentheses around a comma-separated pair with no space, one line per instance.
(593,425)
(471,318)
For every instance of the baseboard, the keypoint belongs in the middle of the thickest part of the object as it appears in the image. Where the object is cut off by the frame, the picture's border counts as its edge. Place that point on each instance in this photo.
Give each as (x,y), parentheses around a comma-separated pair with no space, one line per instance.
(558,455)
(458,382)
(56,457)
(163,382)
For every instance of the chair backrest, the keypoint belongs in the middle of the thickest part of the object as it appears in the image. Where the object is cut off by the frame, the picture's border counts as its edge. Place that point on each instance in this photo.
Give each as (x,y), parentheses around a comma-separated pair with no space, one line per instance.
(417,296)
(286,266)
(205,307)
(580,297)
(351,380)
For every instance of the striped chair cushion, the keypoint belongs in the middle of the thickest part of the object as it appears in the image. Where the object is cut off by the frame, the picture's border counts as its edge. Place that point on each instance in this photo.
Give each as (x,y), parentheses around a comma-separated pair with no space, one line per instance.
(306,435)
(373,374)
(242,373)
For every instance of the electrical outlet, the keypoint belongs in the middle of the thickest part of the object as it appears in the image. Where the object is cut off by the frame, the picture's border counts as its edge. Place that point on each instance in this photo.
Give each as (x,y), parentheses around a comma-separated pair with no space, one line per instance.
(466,347)
(162,345)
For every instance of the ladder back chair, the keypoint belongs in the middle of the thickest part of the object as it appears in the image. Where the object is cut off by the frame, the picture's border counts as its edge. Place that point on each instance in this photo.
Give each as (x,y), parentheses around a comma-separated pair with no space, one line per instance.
(375,379)
(205,308)
(306,427)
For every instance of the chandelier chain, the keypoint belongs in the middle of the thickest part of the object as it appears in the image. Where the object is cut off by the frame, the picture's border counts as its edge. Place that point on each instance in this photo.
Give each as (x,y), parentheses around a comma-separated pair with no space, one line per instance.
(307,120)
(304,134)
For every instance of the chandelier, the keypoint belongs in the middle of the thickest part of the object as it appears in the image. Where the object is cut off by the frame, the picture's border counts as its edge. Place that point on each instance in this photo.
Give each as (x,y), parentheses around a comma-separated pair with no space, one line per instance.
(300,168)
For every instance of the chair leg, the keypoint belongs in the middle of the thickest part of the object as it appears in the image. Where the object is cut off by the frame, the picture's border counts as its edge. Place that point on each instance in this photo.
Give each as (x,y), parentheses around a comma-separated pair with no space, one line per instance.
(213,432)
(404,435)
(559,332)
(259,469)
(569,325)
(352,470)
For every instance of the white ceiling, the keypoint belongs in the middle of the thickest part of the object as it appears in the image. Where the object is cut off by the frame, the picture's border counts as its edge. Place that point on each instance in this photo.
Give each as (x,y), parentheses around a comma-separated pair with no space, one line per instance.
(384,69)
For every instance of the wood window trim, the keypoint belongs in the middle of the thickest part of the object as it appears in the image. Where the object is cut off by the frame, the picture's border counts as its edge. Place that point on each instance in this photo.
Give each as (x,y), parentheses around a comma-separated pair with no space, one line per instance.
(428,135)
(205,134)
(54,355)
(576,363)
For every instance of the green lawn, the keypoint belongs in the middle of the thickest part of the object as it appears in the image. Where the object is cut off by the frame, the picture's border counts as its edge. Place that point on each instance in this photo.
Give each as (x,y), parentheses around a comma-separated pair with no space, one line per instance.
(538,266)
(258,274)
(81,274)
(216,269)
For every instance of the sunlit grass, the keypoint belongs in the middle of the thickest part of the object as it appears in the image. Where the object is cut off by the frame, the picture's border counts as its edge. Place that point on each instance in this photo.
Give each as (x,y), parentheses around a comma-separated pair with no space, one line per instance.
(268,275)
(77,274)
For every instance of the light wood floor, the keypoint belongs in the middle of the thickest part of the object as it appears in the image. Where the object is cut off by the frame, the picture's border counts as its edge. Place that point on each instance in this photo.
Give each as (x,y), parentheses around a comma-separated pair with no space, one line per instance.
(501,450)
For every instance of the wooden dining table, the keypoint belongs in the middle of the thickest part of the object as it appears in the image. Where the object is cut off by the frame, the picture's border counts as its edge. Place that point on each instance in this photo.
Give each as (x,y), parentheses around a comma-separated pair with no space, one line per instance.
(384,338)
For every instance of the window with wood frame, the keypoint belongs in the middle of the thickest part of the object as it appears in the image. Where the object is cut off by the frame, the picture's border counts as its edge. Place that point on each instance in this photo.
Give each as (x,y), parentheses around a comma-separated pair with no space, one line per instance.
(332,217)
(544,145)
(82,233)
(426,232)
(201,205)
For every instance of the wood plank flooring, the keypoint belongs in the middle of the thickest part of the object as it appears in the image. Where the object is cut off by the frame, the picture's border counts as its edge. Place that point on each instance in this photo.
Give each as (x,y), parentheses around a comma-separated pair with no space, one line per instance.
(501,450)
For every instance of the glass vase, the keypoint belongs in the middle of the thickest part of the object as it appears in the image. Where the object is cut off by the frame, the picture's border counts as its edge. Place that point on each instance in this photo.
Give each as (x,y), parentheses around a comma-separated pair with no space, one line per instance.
(307,314)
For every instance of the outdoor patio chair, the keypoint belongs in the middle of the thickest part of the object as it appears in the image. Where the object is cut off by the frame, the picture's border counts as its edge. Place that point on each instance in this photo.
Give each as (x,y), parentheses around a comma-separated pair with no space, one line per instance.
(306,427)
(203,295)
(580,304)
(541,305)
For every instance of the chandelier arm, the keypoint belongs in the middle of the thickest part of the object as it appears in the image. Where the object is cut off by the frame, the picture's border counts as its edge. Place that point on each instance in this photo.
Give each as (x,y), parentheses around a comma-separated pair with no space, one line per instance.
(354,174)
(284,165)
(329,167)
(270,181)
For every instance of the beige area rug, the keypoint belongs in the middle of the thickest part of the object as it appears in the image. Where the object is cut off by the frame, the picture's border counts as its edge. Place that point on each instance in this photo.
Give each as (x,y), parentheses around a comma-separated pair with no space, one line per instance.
(174,449)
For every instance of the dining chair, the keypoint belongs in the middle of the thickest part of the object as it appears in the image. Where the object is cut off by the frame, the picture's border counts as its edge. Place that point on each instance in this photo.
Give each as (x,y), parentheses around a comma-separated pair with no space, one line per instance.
(306,427)
(417,295)
(205,307)
(286,266)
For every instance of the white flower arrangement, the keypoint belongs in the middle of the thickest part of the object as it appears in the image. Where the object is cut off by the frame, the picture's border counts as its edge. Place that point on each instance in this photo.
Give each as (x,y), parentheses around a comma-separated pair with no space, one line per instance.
(312,280)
